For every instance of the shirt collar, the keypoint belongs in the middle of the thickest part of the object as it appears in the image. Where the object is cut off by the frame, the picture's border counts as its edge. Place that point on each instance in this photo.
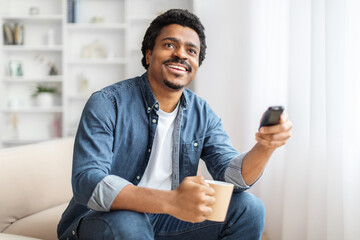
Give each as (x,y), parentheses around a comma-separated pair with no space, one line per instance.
(149,98)
(148,95)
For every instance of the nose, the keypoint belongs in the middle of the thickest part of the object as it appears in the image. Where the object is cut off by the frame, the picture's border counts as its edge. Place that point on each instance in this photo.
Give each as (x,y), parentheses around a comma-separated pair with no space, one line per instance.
(180,53)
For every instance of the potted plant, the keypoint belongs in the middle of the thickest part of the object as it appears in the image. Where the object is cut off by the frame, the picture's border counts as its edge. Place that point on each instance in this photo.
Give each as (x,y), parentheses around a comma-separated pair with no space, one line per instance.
(44,95)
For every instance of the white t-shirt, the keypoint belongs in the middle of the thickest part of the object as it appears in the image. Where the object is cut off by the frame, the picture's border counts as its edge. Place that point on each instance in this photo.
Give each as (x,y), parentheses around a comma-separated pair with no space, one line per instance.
(159,169)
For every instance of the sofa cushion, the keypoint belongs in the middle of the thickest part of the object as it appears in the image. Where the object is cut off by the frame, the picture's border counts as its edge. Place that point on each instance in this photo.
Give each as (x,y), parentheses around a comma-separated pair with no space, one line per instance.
(4,236)
(34,178)
(41,225)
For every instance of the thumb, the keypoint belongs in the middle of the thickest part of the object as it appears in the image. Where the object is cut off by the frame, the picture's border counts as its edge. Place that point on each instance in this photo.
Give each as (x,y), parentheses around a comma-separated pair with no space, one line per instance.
(284,117)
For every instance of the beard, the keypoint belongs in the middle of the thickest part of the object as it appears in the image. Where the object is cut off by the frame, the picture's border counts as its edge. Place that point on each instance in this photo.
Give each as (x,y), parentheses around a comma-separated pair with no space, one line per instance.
(173,86)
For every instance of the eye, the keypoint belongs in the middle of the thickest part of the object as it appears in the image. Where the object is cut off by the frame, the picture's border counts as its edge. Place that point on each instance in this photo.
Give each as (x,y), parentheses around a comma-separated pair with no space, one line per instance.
(169,45)
(192,51)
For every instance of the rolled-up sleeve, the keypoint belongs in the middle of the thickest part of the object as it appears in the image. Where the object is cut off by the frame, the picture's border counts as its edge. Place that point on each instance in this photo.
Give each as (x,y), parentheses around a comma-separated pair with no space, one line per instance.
(93,185)
(233,173)
(105,192)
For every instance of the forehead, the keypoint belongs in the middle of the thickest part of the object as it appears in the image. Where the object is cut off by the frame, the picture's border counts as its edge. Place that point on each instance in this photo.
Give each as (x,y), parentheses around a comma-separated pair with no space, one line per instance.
(184,34)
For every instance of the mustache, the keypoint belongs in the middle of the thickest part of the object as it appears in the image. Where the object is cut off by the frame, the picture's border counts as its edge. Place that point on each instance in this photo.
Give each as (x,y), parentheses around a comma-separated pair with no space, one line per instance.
(176,60)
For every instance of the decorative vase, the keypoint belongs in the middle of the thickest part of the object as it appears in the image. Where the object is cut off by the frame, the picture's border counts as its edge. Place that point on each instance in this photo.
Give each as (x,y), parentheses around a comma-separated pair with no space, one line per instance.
(45,99)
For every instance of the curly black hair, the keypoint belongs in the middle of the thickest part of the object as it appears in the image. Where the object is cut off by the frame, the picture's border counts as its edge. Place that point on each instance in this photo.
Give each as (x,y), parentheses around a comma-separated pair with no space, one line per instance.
(173,16)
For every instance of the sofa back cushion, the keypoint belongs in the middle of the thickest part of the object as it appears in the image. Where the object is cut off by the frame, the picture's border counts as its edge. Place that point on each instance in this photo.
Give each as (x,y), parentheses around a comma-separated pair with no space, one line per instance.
(33,178)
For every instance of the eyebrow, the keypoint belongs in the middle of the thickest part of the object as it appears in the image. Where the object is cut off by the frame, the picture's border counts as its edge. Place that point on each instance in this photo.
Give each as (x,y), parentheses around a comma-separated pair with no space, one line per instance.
(177,40)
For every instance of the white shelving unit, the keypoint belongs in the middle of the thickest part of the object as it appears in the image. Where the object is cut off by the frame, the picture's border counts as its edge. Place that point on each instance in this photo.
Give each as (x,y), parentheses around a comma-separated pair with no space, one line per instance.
(21,120)
(88,56)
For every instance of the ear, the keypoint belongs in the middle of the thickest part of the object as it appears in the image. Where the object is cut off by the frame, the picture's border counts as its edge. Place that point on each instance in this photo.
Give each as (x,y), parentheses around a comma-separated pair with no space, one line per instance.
(147,56)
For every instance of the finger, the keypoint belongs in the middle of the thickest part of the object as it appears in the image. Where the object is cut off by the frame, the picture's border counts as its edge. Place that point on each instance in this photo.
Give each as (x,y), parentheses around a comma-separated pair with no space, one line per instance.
(209,200)
(286,126)
(270,144)
(281,127)
(203,182)
(205,187)
(197,179)
(198,182)
(201,214)
(277,137)
(207,190)
(206,211)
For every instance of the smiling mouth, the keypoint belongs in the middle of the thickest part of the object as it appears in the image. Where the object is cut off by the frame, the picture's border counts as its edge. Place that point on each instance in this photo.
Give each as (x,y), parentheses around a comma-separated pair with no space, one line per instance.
(177,67)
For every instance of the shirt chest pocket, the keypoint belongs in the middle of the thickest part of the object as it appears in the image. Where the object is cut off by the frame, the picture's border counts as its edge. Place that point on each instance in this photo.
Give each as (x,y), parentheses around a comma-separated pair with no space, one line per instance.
(191,155)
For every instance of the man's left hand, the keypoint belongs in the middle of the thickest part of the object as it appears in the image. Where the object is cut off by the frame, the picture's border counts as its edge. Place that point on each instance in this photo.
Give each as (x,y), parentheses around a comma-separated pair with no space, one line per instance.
(275,136)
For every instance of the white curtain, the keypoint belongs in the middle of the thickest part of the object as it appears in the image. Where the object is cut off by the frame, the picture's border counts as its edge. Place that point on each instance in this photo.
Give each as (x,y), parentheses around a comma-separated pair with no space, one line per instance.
(305,55)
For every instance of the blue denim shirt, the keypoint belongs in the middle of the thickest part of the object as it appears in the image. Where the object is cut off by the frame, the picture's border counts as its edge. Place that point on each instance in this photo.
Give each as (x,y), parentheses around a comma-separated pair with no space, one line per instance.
(114,141)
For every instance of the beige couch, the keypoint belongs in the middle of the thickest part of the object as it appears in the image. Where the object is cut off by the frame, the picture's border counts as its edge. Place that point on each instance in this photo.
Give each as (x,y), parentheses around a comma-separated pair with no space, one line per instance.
(34,188)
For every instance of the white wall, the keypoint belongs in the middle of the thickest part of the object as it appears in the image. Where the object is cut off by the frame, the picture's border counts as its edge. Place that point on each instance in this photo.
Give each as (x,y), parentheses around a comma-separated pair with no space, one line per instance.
(223,76)
(245,71)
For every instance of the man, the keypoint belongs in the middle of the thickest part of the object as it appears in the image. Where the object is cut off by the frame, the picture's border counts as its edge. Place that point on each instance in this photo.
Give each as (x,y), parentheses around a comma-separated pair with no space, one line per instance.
(138,146)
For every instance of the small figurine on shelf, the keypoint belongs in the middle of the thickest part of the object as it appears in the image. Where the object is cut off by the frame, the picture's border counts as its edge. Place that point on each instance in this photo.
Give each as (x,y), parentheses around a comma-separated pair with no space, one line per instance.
(82,84)
(14,121)
(34,11)
(97,19)
(94,50)
(53,70)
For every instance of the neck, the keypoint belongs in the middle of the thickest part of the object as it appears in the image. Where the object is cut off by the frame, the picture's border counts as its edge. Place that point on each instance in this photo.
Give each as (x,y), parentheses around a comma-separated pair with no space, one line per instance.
(167,98)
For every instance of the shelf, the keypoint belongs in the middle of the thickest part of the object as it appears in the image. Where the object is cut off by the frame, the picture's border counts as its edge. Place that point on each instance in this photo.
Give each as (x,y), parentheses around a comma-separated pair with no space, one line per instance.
(80,97)
(102,61)
(54,17)
(32,79)
(96,26)
(19,48)
(119,31)
(33,110)
(23,141)
(145,18)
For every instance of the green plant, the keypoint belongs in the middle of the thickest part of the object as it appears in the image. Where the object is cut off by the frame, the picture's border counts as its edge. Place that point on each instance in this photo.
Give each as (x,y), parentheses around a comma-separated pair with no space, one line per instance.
(44,89)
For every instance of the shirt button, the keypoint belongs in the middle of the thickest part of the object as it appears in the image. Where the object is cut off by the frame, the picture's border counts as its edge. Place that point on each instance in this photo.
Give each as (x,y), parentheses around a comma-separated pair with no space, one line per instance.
(154,120)
(73,232)
(156,105)
(138,177)
(149,108)
(149,150)
(196,144)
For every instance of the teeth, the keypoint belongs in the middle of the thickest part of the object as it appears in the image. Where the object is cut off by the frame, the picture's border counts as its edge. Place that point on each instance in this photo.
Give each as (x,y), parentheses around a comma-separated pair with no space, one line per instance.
(177,67)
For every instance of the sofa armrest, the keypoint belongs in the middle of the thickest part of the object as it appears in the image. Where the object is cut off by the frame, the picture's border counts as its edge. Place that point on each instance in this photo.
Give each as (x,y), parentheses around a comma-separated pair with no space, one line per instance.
(34,178)
(4,236)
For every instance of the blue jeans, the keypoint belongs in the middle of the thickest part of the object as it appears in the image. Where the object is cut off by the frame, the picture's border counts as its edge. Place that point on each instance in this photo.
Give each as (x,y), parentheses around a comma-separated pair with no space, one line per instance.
(245,220)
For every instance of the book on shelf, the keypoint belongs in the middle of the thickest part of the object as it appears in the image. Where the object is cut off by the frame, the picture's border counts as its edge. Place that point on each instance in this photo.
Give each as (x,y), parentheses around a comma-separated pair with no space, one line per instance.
(71,11)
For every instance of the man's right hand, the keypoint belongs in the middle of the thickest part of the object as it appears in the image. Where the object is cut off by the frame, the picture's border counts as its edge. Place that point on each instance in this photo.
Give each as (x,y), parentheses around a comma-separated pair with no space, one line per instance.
(192,200)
